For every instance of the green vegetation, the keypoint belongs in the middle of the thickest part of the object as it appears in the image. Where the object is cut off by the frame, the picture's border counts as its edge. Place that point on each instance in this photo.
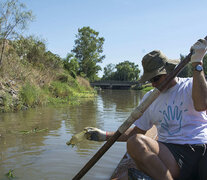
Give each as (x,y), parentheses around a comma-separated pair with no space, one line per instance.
(14,18)
(144,87)
(61,89)
(124,71)
(205,64)
(188,72)
(29,94)
(30,75)
(10,174)
(71,65)
(35,130)
(87,51)
(147,88)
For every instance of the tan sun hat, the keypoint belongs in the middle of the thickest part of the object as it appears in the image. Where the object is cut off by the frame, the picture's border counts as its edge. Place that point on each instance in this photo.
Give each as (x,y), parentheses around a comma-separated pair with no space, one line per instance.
(156,63)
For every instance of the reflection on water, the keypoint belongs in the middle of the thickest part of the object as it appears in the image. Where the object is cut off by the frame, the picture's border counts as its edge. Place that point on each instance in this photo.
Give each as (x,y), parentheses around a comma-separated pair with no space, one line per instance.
(45,155)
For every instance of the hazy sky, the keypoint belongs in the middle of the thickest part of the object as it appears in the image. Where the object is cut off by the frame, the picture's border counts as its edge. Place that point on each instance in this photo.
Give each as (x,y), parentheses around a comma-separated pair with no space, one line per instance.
(131,28)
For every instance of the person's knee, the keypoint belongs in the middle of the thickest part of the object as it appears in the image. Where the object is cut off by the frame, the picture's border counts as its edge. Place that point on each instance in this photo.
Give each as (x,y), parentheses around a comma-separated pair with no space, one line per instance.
(136,145)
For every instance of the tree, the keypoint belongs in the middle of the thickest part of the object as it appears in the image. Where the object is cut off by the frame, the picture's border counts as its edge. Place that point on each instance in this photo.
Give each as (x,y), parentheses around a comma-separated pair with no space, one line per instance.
(125,71)
(109,71)
(30,48)
(205,64)
(71,64)
(88,48)
(13,19)
(33,50)
(187,70)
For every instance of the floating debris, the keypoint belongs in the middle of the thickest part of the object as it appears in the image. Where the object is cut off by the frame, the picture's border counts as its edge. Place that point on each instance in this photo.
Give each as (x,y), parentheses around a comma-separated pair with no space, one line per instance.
(10,174)
(35,130)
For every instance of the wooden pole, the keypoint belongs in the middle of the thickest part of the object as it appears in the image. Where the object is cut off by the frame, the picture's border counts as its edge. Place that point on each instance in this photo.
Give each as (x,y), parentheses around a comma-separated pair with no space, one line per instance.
(136,114)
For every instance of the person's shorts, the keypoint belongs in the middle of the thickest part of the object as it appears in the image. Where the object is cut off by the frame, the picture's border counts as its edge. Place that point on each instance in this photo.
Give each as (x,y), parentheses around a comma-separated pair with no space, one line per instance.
(192,160)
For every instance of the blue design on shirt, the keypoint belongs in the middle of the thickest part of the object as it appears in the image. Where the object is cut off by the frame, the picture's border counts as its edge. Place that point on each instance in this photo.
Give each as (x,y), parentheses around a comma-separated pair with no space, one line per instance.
(173,113)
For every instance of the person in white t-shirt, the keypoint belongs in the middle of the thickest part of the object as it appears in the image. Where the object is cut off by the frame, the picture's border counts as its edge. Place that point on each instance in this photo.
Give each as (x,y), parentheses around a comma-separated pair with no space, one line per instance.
(180,115)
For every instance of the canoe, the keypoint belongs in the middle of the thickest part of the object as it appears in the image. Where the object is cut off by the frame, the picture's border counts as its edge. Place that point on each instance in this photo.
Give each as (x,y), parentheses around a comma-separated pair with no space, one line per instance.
(127,170)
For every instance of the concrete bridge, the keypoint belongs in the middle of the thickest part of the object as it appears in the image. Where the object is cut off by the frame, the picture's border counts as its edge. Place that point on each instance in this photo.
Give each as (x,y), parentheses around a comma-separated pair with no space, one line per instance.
(114,84)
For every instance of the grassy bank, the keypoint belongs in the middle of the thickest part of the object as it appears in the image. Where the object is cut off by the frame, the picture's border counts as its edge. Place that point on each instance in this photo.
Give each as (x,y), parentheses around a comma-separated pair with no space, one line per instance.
(144,87)
(30,95)
(25,84)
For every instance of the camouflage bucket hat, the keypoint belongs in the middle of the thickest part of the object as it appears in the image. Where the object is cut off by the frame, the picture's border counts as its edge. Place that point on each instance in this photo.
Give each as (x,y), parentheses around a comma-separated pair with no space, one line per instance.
(156,63)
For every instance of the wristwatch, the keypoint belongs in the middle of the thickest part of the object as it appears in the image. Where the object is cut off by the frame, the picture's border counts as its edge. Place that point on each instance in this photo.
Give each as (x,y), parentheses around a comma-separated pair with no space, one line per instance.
(198,68)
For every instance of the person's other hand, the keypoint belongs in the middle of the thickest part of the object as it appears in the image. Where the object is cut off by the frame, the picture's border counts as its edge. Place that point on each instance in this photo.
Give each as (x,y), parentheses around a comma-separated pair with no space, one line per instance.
(198,50)
(95,134)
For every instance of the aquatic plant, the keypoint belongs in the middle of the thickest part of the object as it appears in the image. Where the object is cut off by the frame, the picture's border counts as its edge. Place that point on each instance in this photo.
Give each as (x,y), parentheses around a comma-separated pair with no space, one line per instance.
(35,130)
(10,174)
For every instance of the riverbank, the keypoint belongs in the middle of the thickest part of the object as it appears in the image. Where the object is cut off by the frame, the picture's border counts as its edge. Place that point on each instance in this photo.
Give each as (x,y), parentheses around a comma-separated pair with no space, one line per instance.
(145,87)
(27,83)
(15,96)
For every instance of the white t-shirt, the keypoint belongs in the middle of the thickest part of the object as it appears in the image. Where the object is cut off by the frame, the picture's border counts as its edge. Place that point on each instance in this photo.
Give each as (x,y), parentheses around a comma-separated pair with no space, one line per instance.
(174,116)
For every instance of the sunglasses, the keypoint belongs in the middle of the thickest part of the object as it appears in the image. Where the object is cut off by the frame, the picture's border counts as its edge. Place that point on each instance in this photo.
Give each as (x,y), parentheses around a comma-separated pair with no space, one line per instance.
(155,79)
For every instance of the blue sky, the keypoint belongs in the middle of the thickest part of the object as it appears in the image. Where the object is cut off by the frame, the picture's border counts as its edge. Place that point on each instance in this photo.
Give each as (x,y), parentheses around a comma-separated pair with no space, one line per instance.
(131,28)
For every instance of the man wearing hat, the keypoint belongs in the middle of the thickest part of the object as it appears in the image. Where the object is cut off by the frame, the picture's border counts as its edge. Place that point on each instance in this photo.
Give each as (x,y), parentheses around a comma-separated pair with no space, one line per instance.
(180,115)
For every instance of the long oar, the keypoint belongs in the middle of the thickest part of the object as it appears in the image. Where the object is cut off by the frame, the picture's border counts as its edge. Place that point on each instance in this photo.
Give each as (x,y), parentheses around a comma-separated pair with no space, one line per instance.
(136,114)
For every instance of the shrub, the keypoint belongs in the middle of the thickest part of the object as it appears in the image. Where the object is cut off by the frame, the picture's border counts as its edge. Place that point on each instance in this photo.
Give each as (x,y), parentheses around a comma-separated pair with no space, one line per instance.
(7,102)
(146,89)
(60,89)
(29,94)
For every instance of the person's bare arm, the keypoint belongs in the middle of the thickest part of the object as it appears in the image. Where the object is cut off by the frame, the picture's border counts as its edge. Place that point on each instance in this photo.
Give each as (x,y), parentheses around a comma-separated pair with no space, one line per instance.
(199,91)
(96,134)
(129,132)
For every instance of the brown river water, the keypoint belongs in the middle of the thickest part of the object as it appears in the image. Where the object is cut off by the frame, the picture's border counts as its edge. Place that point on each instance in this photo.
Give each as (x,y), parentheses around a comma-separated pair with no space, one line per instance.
(44,155)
